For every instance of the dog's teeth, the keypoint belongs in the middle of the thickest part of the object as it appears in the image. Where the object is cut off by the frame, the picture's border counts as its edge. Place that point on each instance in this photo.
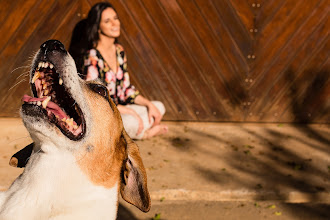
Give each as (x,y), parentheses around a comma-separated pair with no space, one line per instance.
(43,81)
(51,66)
(75,127)
(45,102)
(60,81)
(38,103)
(34,103)
(63,119)
(46,65)
(36,76)
(46,92)
(40,65)
(69,121)
(44,86)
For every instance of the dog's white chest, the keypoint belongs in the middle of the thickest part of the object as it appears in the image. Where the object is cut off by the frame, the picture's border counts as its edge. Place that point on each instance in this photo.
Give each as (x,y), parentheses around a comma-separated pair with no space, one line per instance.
(55,188)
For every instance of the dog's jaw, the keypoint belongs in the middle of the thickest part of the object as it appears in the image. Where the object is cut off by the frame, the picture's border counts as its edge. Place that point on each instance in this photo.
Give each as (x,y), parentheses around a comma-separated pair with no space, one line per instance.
(41,130)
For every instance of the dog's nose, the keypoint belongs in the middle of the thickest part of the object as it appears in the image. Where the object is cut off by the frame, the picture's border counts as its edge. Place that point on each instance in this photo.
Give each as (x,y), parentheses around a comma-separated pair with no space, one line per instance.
(52,45)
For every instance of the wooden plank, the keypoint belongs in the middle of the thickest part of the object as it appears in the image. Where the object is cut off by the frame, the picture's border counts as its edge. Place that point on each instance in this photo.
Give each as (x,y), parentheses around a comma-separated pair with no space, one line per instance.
(192,54)
(212,62)
(194,51)
(310,88)
(45,27)
(234,25)
(266,13)
(245,12)
(161,55)
(267,56)
(157,87)
(302,56)
(11,18)
(277,67)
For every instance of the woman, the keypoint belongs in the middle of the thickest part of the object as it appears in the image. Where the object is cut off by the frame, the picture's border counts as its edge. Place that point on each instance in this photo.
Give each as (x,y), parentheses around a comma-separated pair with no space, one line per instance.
(106,61)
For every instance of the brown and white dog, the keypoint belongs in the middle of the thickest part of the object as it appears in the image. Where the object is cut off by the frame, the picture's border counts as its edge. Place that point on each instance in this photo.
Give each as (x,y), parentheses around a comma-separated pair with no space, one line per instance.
(81,157)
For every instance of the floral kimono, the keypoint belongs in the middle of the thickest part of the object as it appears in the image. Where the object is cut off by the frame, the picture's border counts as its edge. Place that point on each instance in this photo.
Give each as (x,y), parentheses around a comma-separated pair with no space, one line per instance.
(118,84)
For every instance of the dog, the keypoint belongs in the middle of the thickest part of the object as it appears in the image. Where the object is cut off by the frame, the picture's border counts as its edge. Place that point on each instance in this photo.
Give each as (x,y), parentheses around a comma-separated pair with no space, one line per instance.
(81,157)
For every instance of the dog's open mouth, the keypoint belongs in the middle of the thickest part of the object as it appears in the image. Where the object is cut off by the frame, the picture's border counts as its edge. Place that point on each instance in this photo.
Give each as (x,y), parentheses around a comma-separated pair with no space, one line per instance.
(51,98)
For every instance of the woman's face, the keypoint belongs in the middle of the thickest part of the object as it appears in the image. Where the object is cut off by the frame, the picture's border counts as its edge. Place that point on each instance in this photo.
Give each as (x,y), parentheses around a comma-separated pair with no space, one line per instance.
(109,24)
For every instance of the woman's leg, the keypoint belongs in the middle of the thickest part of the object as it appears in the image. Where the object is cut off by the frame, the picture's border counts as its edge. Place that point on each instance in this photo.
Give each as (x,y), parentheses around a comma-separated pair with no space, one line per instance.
(131,124)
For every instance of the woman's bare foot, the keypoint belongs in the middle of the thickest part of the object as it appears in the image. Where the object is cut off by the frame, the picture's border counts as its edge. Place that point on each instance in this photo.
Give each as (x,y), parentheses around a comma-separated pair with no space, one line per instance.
(155,130)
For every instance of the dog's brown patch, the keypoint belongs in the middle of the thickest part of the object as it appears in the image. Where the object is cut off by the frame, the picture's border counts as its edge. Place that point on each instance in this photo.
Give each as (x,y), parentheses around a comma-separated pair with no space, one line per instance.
(103,163)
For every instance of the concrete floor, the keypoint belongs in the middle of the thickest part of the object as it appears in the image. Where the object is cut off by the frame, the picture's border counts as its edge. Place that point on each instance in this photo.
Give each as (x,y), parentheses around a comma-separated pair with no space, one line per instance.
(220,165)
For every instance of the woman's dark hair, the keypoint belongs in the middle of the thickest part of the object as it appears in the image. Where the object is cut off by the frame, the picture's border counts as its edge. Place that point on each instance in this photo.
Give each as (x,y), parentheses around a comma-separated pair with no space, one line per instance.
(85,34)
(93,22)
(79,44)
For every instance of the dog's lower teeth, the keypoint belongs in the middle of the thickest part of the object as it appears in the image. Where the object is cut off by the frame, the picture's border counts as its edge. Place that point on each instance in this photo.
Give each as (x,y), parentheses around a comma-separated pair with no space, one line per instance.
(45,102)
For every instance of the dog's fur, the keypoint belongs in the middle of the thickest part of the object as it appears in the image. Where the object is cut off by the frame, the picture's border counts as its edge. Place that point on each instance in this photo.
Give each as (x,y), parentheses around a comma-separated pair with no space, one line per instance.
(76,179)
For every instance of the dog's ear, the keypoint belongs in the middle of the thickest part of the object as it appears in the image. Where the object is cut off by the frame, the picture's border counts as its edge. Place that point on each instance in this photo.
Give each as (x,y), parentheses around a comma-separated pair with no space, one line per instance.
(21,158)
(133,187)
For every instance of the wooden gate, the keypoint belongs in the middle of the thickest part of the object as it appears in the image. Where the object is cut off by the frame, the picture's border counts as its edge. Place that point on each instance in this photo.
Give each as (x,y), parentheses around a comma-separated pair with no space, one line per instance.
(207,60)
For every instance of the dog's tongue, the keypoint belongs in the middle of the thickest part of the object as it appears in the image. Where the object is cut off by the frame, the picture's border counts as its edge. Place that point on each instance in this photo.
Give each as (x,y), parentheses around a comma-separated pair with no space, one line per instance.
(51,106)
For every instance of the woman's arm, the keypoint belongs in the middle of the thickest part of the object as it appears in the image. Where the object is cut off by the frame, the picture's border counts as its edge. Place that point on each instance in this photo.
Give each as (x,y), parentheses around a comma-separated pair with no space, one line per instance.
(153,112)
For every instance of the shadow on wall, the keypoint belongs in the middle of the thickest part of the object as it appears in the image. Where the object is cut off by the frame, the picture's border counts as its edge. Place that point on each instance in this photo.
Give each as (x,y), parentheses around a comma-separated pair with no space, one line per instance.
(309,96)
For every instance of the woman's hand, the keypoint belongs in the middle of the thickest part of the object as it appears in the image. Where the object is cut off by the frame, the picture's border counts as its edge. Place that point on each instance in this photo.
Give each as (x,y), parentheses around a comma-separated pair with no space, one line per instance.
(154,113)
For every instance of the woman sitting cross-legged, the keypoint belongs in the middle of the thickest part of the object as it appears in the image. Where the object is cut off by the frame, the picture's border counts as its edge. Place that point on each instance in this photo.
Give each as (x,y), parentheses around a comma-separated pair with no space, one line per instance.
(105,60)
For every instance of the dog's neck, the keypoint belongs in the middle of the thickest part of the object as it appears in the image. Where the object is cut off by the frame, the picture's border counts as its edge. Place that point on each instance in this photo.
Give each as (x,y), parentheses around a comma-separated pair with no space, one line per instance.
(52,182)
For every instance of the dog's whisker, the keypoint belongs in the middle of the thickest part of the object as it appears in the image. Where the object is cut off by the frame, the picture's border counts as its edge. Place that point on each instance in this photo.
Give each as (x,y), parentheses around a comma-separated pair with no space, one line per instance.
(18,139)
(22,80)
(25,74)
(20,67)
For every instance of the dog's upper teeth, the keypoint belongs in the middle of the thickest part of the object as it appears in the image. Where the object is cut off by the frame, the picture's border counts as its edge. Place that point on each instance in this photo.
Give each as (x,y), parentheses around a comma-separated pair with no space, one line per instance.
(45,102)
(38,103)
(45,65)
(60,81)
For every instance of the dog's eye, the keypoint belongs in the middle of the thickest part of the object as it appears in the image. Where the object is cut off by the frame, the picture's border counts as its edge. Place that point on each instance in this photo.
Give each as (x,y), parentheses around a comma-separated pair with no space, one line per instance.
(100,89)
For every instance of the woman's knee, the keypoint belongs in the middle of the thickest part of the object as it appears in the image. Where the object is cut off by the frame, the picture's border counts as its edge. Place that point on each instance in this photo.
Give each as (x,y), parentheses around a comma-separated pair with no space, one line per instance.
(131,124)
(160,106)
